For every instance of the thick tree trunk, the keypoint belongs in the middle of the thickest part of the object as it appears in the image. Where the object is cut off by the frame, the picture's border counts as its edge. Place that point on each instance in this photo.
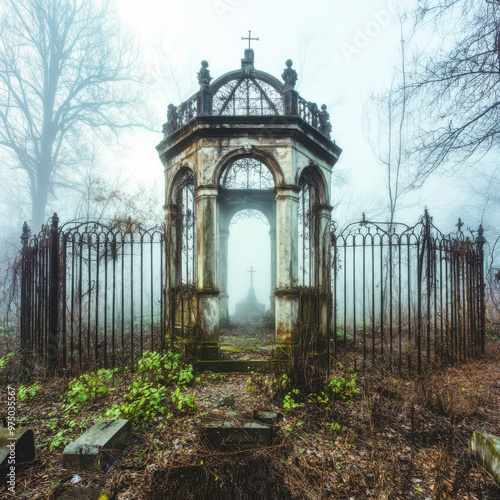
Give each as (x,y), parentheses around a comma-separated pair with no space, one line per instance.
(39,201)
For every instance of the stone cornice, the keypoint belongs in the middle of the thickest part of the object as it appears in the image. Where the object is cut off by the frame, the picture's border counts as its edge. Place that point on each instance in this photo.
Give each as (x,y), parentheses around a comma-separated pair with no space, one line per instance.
(257,127)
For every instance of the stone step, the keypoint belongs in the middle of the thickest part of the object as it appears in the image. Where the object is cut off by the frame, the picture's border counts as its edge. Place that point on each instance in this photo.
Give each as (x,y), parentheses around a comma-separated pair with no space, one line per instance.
(99,446)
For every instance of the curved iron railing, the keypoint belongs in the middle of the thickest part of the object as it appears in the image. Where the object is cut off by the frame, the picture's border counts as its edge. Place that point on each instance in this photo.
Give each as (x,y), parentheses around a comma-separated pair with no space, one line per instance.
(291,104)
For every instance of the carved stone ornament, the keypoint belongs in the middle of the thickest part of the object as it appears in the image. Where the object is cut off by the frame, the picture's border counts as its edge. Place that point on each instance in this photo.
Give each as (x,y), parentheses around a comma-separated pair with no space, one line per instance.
(172,121)
(325,127)
(289,76)
(248,148)
(204,75)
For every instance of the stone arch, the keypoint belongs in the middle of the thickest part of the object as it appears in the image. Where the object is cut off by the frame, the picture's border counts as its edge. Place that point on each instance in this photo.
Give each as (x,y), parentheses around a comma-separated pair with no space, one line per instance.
(311,197)
(313,170)
(249,152)
(254,207)
(173,189)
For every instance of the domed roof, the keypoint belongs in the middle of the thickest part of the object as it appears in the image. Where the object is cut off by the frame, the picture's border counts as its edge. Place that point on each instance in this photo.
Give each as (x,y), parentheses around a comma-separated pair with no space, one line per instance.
(246,92)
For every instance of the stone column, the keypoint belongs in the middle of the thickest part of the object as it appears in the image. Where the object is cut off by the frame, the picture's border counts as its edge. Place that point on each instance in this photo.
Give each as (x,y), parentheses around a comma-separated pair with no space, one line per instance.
(207,269)
(272,236)
(223,262)
(287,301)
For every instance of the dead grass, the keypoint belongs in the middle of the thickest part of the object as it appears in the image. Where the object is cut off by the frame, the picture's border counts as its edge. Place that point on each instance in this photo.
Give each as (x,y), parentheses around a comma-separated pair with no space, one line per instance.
(400,438)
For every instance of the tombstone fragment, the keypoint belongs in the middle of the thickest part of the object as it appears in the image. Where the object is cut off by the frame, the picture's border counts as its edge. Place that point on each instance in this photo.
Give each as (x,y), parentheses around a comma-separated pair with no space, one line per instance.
(231,431)
(485,452)
(267,417)
(17,446)
(98,447)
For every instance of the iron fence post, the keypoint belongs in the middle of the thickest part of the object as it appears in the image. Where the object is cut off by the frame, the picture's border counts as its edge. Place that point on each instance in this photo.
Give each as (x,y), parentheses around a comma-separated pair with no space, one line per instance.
(52,347)
(480,241)
(24,289)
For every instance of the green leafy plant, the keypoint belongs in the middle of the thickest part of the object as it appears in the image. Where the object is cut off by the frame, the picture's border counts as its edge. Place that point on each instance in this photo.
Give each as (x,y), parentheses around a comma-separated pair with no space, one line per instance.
(60,439)
(5,359)
(143,401)
(165,368)
(342,389)
(26,393)
(86,387)
(334,428)
(149,395)
(182,400)
(289,403)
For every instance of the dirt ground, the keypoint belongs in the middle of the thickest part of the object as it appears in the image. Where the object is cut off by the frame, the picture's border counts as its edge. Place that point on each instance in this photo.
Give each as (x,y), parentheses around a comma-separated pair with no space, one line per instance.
(399,439)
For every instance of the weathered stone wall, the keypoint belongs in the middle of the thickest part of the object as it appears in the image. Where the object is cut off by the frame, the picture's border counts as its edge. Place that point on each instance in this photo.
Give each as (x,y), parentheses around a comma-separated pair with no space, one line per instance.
(287,147)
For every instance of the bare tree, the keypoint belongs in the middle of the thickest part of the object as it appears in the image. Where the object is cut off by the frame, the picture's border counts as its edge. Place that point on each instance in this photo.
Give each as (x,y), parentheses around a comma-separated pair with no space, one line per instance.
(65,74)
(388,130)
(456,86)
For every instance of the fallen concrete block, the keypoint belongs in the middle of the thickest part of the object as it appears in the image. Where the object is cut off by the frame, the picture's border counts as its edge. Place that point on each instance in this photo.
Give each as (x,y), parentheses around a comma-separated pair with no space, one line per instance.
(232,431)
(267,417)
(485,452)
(17,446)
(79,493)
(98,447)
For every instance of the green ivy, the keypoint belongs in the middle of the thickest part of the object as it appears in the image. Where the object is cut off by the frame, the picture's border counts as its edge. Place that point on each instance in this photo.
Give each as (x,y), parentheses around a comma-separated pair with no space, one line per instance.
(165,368)
(5,359)
(149,396)
(86,387)
(26,393)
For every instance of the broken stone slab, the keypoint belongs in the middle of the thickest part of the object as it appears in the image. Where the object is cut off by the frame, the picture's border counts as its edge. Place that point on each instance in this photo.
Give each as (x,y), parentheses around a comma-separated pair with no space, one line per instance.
(17,446)
(98,447)
(267,417)
(79,493)
(232,431)
(485,451)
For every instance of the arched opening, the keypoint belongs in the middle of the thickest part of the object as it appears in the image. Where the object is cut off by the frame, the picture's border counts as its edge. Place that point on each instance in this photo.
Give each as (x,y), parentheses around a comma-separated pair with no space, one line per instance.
(249,266)
(186,259)
(308,229)
(247,259)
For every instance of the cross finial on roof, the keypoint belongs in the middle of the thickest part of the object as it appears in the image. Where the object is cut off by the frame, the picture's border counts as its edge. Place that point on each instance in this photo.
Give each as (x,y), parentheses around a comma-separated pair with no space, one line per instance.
(249,38)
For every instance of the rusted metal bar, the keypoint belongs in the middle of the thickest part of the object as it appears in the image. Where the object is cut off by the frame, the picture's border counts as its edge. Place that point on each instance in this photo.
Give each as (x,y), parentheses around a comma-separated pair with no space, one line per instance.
(53,345)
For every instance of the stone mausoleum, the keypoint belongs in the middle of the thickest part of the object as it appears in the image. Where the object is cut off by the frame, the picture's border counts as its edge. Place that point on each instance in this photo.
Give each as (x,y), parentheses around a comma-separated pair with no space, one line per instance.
(247,141)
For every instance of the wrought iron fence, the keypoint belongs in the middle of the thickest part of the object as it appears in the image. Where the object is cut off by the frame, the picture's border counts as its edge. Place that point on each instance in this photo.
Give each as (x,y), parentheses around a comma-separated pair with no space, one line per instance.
(403,297)
(407,296)
(92,294)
